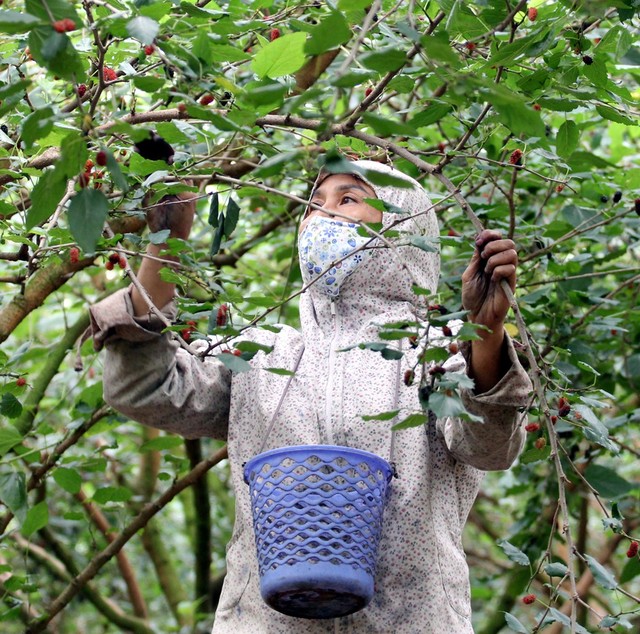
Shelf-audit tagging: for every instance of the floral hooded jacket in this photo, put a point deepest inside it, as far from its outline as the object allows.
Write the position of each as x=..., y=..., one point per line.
x=422, y=581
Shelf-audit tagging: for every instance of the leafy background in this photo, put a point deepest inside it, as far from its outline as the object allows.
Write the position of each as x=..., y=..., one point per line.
x=524, y=113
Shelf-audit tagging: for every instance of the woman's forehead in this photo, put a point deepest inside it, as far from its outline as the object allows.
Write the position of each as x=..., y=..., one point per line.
x=328, y=180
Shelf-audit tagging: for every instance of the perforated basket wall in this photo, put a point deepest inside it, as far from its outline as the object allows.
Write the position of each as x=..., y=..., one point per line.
x=317, y=504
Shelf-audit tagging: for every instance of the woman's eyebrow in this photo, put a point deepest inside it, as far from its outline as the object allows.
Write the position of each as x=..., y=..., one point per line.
x=342, y=188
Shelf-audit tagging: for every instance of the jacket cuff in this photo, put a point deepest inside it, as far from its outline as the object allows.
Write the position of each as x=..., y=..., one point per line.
x=512, y=390
x=113, y=319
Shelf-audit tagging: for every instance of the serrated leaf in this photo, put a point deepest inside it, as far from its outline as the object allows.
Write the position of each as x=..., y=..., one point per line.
x=283, y=56
x=45, y=197
x=391, y=354
x=37, y=125
x=66, y=63
x=607, y=482
x=330, y=33
x=567, y=138
x=214, y=210
x=161, y=443
x=13, y=493
x=231, y=217
x=149, y=84
x=73, y=155
x=112, y=494
x=382, y=415
x=430, y=245
x=431, y=113
x=535, y=455
x=631, y=570
x=601, y=575
x=280, y=371
x=556, y=569
x=234, y=363
x=9, y=436
x=37, y=517
x=513, y=553
x=217, y=237
x=87, y=213
x=10, y=407
x=116, y=173
x=143, y=29
x=514, y=624
x=68, y=479
x=384, y=61
x=555, y=616
x=444, y=406
x=611, y=114
x=413, y=420
x=15, y=22
x=201, y=47
x=384, y=126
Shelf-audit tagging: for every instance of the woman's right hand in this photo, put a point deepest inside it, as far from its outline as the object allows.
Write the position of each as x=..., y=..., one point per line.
x=174, y=212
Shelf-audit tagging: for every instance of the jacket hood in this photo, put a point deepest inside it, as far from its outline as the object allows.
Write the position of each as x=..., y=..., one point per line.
x=381, y=289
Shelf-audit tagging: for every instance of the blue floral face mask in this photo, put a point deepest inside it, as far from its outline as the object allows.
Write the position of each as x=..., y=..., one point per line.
x=326, y=247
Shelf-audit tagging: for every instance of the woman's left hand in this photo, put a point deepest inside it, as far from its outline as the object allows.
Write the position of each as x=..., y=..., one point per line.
x=494, y=259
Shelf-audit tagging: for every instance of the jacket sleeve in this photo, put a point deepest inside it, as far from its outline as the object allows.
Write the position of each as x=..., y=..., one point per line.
x=149, y=378
x=494, y=444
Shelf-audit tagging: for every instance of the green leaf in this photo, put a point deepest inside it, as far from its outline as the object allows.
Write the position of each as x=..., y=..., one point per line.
x=556, y=569
x=214, y=210
x=45, y=197
x=9, y=436
x=10, y=406
x=438, y=47
x=535, y=455
x=37, y=517
x=45, y=9
x=37, y=125
x=66, y=63
x=382, y=415
x=161, y=443
x=631, y=570
x=413, y=420
x=384, y=61
x=108, y=494
x=431, y=113
x=601, y=575
x=513, y=553
x=330, y=33
x=143, y=29
x=555, y=616
x=231, y=217
x=149, y=84
x=15, y=22
x=234, y=363
x=428, y=244
x=13, y=493
x=596, y=72
x=609, y=113
x=68, y=479
x=116, y=173
x=387, y=127
x=607, y=482
x=280, y=371
x=73, y=155
x=567, y=138
x=87, y=214
x=514, y=624
x=283, y=56
x=444, y=406
x=201, y=47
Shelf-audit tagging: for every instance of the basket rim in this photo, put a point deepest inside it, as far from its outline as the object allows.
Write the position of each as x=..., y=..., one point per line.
x=293, y=450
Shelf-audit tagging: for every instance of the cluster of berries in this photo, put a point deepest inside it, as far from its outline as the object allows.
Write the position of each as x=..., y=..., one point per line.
x=185, y=333
x=149, y=49
x=62, y=26
x=113, y=259
x=85, y=178
x=108, y=74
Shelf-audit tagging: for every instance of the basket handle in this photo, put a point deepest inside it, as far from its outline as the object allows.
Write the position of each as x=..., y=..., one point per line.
x=284, y=392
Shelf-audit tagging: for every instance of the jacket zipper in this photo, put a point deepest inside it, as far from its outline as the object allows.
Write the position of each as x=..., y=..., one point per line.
x=328, y=410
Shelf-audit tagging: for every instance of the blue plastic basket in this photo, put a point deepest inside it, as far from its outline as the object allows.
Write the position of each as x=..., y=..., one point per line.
x=317, y=517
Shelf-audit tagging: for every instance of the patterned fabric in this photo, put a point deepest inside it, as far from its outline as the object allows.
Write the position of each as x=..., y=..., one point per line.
x=422, y=584
x=330, y=250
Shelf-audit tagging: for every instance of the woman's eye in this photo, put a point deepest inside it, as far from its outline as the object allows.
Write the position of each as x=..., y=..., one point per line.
x=348, y=200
